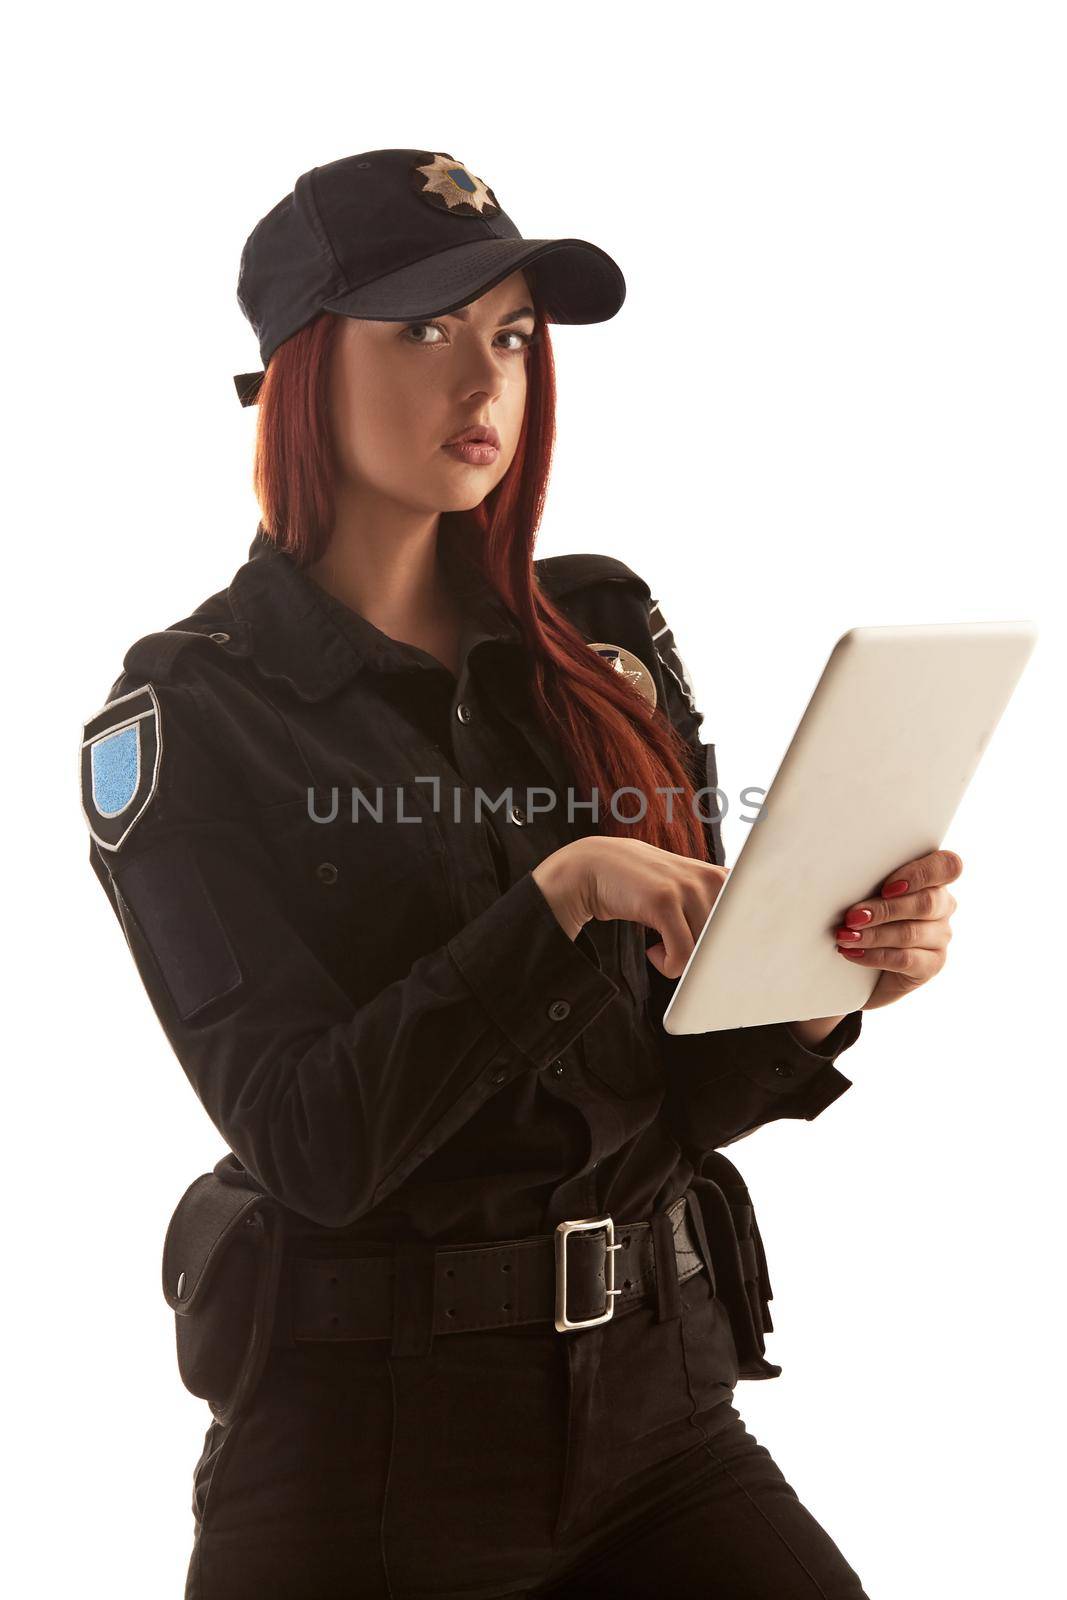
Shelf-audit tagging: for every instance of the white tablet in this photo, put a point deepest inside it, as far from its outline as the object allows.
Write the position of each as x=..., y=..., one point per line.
x=871, y=779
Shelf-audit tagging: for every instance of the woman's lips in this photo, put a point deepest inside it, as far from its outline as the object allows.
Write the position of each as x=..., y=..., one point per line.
x=474, y=453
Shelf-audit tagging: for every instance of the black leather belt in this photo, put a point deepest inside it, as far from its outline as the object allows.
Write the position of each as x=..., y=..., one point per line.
x=585, y=1273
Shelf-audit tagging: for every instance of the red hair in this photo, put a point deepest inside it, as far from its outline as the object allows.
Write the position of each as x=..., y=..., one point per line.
x=609, y=740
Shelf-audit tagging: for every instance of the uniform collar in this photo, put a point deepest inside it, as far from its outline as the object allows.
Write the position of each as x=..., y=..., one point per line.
x=294, y=630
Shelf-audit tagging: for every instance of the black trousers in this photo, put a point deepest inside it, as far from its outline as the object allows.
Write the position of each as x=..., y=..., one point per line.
x=609, y=1461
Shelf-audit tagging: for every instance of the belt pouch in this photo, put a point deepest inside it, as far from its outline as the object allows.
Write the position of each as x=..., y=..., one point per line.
x=221, y=1263
x=740, y=1265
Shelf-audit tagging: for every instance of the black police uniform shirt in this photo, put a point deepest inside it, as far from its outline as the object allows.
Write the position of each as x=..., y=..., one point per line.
x=384, y=1019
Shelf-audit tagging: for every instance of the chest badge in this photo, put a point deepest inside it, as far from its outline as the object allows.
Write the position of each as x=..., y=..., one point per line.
x=631, y=667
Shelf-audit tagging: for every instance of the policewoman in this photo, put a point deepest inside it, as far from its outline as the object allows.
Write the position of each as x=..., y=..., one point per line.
x=410, y=834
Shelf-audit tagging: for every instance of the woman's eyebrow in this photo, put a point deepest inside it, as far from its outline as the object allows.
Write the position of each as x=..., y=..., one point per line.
x=463, y=314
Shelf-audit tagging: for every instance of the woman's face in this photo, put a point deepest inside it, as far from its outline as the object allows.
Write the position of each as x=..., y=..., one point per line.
x=399, y=390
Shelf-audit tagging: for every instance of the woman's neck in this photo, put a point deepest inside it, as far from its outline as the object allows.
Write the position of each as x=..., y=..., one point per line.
x=394, y=578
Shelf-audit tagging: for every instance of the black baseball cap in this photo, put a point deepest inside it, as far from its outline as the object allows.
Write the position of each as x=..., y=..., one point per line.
x=394, y=235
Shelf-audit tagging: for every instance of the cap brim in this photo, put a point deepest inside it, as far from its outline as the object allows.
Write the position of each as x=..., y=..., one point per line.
x=577, y=280
x=577, y=283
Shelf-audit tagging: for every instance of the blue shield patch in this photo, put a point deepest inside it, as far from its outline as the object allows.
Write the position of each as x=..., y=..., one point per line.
x=120, y=755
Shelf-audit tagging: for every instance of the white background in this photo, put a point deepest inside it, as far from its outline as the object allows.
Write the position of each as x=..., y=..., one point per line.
x=834, y=395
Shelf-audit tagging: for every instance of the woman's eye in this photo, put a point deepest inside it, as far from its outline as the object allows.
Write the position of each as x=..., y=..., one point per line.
x=432, y=326
x=525, y=339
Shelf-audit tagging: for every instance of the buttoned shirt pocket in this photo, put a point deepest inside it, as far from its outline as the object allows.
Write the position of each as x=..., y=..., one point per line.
x=372, y=894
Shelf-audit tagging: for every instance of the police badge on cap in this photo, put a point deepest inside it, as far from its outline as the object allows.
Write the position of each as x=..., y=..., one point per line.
x=449, y=185
x=631, y=667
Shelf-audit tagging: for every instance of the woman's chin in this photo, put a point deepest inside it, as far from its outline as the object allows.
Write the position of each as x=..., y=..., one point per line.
x=464, y=497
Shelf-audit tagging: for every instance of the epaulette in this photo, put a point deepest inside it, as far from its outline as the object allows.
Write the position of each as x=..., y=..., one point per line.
x=122, y=742
x=155, y=655
x=624, y=621
x=567, y=573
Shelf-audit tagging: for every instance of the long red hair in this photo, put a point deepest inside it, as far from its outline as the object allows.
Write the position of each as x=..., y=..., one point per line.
x=609, y=740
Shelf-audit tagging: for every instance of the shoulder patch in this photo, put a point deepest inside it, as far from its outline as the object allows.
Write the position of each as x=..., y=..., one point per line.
x=121, y=749
x=567, y=573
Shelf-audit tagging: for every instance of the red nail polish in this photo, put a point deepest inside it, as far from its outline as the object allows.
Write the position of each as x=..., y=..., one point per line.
x=896, y=887
x=843, y=950
x=857, y=919
x=851, y=934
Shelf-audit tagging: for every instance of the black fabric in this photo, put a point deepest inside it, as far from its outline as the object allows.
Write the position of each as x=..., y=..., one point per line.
x=222, y=1261
x=396, y=235
x=165, y=889
x=610, y=1464
x=248, y=385
x=384, y=1020
x=402, y=1051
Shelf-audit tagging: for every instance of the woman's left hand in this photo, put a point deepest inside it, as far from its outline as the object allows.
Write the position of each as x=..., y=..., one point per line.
x=905, y=932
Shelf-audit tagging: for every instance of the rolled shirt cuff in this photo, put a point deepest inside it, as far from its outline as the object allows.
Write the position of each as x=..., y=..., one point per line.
x=772, y=1057
x=540, y=988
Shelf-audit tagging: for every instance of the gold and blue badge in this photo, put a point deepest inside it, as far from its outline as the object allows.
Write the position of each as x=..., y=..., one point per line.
x=631, y=667
x=450, y=186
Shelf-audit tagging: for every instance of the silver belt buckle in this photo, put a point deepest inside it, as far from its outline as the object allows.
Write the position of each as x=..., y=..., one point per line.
x=563, y=1232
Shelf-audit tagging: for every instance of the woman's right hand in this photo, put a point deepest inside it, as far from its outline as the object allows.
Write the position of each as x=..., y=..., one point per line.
x=605, y=878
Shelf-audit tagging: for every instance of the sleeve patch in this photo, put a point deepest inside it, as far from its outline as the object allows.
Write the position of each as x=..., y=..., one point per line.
x=121, y=749
x=165, y=890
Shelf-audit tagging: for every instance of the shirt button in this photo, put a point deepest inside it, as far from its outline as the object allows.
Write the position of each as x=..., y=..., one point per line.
x=326, y=872
x=498, y=1077
x=783, y=1069
x=557, y=1068
x=464, y=713
x=517, y=814
x=559, y=1009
